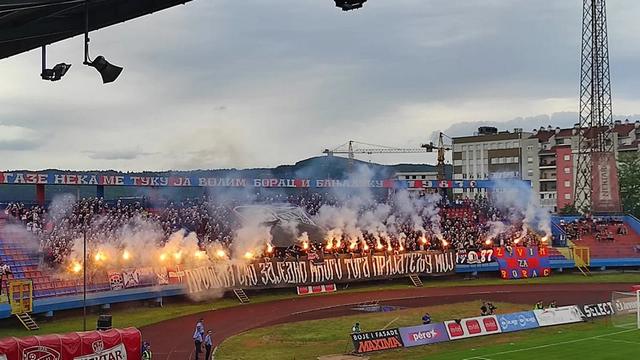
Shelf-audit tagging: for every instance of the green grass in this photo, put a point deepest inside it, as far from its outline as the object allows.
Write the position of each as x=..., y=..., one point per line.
x=310, y=339
x=141, y=316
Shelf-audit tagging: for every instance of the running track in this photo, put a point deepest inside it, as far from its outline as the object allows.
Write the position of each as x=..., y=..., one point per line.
x=171, y=339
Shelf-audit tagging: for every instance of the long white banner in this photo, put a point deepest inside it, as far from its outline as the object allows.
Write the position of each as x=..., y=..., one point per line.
x=556, y=316
x=277, y=273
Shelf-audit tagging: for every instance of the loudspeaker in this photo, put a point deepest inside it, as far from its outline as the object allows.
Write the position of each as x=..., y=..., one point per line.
x=104, y=322
x=108, y=71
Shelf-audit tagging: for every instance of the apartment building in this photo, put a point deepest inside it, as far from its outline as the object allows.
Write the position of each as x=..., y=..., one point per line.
x=487, y=154
x=545, y=156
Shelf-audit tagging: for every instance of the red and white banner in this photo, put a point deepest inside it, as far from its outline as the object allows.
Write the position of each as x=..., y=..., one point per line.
x=605, y=196
x=116, y=344
x=316, y=289
x=471, y=327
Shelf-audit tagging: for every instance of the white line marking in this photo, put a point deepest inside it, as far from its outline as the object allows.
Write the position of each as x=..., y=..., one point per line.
x=550, y=345
x=621, y=341
x=406, y=298
x=391, y=322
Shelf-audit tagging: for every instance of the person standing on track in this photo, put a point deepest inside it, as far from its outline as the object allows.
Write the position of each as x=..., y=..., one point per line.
x=146, y=351
x=208, y=343
x=198, y=337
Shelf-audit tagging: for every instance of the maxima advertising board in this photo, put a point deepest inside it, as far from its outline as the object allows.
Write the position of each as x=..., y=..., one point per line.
x=376, y=340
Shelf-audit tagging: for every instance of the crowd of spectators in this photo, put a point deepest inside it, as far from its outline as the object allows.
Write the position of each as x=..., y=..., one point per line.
x=462, y=225
x=602, y=229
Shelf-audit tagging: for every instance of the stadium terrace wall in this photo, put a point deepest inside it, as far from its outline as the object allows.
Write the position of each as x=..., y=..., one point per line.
x=60, y=303
x=101, y=179
x=342, y=269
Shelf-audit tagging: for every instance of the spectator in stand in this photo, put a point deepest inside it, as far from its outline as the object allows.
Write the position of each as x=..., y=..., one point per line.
x=553, y=305
x=5, y=271
x=462, y=225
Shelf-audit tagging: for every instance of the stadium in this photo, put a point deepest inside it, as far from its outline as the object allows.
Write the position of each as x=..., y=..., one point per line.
x=491, y=253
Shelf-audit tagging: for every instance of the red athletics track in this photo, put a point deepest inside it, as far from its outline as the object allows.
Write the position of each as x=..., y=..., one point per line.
x=171, y=339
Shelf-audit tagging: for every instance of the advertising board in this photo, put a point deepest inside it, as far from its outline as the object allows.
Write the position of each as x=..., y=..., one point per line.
x=517, y=321
x=376, y=340
x=590, y=311
x=556, y=316
x=424, y=334
x=471, y=327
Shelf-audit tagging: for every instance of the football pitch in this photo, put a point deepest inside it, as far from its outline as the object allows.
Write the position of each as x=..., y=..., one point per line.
x=607, y=343
x=592, y=340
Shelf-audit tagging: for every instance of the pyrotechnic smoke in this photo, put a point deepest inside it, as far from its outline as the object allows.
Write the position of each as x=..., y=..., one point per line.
x=495, y=228
x=21, y=235
x=303, y=239
x=520, y=201
x=61, y=206
x=250, y=241
x=360, y=212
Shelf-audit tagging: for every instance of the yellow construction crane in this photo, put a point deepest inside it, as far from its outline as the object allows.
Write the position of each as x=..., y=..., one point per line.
x=352, y=147
x=441, y=148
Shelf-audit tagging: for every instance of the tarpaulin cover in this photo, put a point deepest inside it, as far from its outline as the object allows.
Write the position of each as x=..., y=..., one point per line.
x=115, y=344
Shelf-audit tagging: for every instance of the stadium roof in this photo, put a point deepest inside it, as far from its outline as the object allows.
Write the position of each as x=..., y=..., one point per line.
x=29, y=24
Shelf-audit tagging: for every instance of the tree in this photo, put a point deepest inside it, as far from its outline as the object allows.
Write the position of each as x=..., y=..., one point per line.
x=629, y=178
x=569, y=209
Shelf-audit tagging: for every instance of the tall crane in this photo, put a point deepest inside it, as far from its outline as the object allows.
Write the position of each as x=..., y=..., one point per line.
x=440, y=148
x=352, y=147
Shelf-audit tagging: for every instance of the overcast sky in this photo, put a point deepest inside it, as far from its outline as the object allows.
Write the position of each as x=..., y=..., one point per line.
x=227, y=83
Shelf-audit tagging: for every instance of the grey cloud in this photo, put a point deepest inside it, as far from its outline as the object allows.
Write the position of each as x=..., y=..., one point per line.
x=19, y=145
x=119, y=154
x=273, y=81
x=19, y=138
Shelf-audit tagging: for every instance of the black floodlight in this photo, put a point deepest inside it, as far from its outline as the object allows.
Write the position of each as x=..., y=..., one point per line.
x=54, y=74
x=347, y=5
